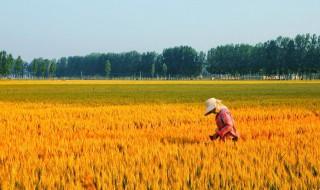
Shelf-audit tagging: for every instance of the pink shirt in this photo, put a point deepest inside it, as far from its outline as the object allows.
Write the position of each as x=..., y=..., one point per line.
x=225, y=124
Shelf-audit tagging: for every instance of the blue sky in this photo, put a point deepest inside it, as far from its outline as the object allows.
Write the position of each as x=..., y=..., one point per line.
x=56, y=28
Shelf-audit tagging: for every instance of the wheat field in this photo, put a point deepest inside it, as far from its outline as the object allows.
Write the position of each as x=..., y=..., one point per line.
x=153, y=135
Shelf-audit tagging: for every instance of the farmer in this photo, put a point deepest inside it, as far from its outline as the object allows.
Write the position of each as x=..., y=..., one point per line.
x=225, y=124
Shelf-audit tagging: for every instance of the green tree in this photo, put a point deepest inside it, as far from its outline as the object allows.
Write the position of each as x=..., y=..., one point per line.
x=181, y=60
x=3, y=60
x=34, y=67
x=153, y=69
x=18, y=67
x=107, y=68
x=44, y=68
x=164, y=69
x=8, y=65
x=52, y=68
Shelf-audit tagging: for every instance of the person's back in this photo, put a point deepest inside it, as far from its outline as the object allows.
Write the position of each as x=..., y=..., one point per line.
x=225, y=123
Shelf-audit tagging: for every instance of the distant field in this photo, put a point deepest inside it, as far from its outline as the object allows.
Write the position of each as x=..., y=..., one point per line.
x=235, y=93
x=153, y=135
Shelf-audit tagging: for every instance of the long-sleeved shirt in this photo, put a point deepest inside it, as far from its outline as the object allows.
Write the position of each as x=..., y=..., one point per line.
x=225, y=124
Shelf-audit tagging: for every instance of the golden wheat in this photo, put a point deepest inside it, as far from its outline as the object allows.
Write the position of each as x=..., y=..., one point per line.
x=165, y=146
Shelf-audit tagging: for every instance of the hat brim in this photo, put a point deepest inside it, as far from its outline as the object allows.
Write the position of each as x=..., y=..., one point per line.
x=209, y=110
x=208, y=113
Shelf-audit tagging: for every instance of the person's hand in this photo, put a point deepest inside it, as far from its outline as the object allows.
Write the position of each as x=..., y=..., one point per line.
x=213, y=137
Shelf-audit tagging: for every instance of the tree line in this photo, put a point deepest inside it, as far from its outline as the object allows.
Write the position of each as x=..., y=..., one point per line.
x=282, y=55
x=17, y=68
x=181, y=60
x=11, y=66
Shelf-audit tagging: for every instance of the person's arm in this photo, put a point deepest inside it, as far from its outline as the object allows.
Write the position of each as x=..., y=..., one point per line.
x=214, y=136
x=228, y=125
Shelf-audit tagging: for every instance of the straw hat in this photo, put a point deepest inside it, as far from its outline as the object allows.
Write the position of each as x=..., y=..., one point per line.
x=211, y=103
